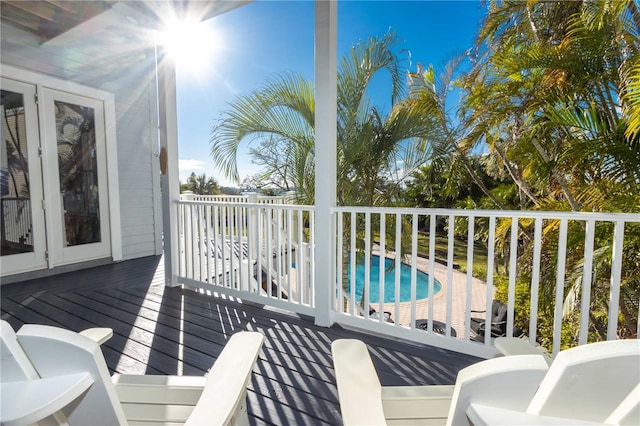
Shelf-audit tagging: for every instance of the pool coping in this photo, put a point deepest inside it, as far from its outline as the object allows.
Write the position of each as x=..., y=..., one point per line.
x=451, y=298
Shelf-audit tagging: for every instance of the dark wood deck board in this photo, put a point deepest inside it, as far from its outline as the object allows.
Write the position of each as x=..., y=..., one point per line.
x=159, y=330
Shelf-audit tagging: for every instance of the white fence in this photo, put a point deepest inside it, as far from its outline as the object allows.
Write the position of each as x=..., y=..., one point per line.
x=561, y=262
x=553, y=268
x=259, y=252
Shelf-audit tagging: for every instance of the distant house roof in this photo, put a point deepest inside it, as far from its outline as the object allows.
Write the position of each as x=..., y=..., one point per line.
x=49, y=19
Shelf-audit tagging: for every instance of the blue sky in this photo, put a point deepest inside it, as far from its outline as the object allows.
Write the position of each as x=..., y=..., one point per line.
x=261, y=39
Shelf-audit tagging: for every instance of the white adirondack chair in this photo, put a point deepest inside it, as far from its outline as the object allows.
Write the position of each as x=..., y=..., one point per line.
x=51, y=375
x=597, y=383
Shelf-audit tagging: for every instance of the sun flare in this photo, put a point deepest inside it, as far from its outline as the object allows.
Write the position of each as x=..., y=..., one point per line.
x=192, y=45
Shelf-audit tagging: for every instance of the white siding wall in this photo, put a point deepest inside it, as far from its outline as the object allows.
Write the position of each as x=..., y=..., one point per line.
x=111, y=53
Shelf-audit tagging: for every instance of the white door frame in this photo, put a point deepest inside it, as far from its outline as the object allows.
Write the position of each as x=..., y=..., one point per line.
x=59, y=252
x=44, y=82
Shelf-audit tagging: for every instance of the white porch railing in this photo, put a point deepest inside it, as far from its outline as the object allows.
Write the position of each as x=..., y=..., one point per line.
x=258, y=252
x=264, y=253
x=508, y=235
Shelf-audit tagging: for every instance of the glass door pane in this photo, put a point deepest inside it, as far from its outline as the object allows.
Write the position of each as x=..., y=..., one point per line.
x=78, y=172
x=77, y=195
x=17, y=225
x=22, y=237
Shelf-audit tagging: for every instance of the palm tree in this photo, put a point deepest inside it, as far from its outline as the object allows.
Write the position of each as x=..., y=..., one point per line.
x=201, y=185
x=375, y=152
x=554, y=95
x=370, y=145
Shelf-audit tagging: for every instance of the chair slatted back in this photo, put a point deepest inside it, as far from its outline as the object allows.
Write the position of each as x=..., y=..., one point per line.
x=14, y=363
x=589, y=382
x=55, y=351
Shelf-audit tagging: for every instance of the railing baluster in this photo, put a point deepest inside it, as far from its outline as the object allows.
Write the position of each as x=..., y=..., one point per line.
x=616, y=274
x=259, y=247
x=513, y=259
x=352, y=266
x=186, y=240
x=414, y=266
x=289, y=258
x=585, y=306
x=559, y=297
x=233, y=239
x=269, y=251
x=381, y=267
x=202, y=264
x=278, y=232
x=302, y=248
x=214, y=242
x=191, y=240
x=223, y=244
x=181, y=243
x=432, y=269
x=470, y=244
x=251, y=231
x=398, y=256
x=535, y=276
x=244, y=274
x=338, y=257
x=366, y=291
x=312, y=257
x=207, y=242
x=490, y=259
x=450, y=241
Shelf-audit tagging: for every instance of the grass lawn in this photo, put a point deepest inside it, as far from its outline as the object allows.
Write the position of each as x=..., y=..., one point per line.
x=459, y=253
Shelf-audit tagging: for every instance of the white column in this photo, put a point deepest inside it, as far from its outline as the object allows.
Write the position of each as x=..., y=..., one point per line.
x=326, y=25
x=168, y=123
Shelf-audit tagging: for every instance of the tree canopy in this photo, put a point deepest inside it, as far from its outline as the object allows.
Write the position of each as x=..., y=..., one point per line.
x=548, y=118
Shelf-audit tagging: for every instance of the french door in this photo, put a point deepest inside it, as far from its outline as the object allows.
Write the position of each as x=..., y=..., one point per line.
x=63, y=180
x=22, y=228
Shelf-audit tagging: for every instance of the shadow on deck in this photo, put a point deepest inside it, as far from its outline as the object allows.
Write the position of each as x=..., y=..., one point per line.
x=159, y=330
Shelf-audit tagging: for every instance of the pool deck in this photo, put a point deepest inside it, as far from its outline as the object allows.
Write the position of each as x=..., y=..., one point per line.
x=453, y=295
x=457, y=290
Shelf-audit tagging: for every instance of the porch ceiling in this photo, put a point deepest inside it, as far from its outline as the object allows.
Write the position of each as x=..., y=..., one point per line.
x=48, y=19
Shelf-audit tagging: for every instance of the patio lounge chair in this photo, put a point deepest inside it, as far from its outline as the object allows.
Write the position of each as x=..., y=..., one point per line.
x=386, y=315
x=591, y=384
x=61, y=377
x=498, y=326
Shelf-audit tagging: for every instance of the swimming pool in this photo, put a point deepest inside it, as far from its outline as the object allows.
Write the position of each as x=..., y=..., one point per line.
x=422, y=281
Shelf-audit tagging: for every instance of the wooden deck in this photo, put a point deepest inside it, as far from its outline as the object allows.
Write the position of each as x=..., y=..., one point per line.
x=160, y=330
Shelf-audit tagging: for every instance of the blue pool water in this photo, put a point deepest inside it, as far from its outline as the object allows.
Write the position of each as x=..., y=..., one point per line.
x=422, y=281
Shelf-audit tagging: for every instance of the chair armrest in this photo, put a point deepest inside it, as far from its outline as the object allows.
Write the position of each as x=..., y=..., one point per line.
x=98, y=334
x=359, y=389
x=416, y=403
x=223, y=399
x=517, y=346
x=29, y=401
x=486, y=415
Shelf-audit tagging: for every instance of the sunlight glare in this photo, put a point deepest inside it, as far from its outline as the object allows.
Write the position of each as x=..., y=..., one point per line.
x=192, y=45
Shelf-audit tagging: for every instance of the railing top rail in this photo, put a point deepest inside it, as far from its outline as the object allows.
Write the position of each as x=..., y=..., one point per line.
x=244, y=198
x=250, y=205
x=528, y=214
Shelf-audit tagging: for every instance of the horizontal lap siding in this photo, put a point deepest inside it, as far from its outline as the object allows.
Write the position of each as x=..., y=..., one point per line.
x=112, y=59
x=138, y=171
